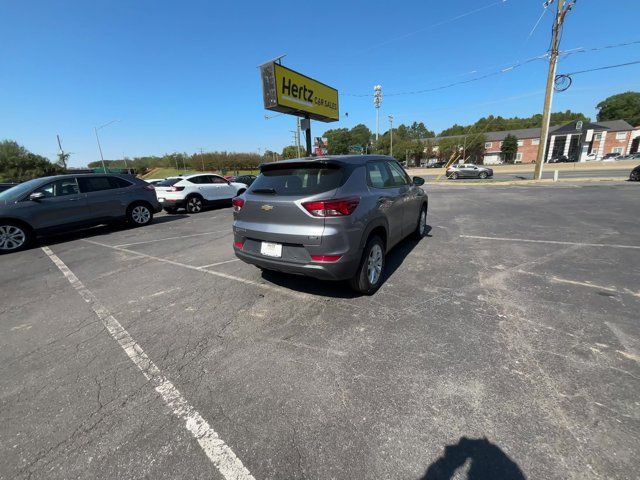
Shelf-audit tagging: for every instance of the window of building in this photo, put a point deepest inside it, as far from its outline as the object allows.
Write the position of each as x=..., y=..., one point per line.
x=488, y=145
x=617, y=150
x=597, y=137
x=535, y=141
x=621, y=136
x=518, y=157
x=521, y=143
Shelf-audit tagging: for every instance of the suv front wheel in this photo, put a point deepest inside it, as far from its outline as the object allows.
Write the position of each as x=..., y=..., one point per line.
x=368, y=278
x=14, y=237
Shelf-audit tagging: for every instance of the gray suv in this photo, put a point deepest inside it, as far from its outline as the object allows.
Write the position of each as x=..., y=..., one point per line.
x=331, y=217
x=64, y=202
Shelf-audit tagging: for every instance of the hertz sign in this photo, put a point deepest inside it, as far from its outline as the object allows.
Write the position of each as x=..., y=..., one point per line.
x=287, y=91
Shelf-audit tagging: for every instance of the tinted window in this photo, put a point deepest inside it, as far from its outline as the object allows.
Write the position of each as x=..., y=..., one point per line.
x=216, y=179
x=398, y=175
x=378, y=176
x=169, y=182
x=59, y=188
x=200, y=179
x=94, y=184
x=307, y=180
x=117, y=182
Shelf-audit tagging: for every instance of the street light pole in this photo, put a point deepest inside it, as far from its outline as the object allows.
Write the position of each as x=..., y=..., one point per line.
x=391, y=133
x=95, y=130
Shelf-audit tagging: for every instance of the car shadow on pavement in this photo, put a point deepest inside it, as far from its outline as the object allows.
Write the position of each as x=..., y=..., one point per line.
x=63, y=237
x=486, y=460
x=330, y=289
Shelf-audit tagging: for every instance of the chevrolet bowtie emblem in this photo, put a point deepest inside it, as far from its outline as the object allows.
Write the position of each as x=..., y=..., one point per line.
x=266, y=208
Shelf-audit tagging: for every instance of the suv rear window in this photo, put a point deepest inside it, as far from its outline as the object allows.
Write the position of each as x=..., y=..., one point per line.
x=169, y=182
x=298, y=180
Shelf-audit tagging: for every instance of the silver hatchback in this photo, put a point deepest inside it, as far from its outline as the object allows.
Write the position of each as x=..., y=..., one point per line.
x=331, y=217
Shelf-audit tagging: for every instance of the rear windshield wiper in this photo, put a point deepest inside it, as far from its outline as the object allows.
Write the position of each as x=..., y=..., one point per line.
x=271, y=191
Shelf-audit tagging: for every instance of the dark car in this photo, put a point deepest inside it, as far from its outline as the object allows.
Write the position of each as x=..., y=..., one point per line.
x=634, y=176
x=6, y=186
x=468, y=170
x=611, y=156
x=246, y=179
x=331, y=217
x=66, y=202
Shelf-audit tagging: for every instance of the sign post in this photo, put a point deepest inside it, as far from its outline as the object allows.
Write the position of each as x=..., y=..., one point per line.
x=287, y=91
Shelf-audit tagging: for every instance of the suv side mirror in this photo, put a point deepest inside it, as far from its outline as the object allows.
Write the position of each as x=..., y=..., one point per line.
x=36, y=196
x=418, y=181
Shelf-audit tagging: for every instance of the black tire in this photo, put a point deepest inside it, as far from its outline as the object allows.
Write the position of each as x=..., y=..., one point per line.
x=194, y=204
x=455, y=175
x=361, y=282
x=421, y=229
x=483, y=175
x=139, y=214
x=14, y=236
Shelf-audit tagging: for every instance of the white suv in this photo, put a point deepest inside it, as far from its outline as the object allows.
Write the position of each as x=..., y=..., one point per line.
x=194, y=192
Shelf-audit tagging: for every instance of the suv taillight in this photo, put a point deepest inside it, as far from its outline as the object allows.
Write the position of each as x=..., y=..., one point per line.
x=332, y=208
x=176, y=189
x=237, y=203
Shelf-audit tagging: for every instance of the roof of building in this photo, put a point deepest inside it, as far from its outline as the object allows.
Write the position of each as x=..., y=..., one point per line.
x=524, y=133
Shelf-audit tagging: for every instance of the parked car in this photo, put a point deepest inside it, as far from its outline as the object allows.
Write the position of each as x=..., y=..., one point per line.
x=196, y=191
x=246, y=179
x=67, y=202
x=631, y=156
x=154, y=181
x=331, y=218
x=468, y=170
x=435, y=163
x=563, y=159
x=6, y=186
x=611, y=157
x=634, y=176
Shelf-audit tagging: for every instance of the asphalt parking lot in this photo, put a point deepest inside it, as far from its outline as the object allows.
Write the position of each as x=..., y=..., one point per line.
x=505, y=344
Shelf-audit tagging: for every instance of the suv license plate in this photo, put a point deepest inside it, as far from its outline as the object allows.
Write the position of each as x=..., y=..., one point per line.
x=271, y=249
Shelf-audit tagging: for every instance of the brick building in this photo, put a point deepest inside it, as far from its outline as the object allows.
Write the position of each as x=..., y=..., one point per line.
x=578, y=141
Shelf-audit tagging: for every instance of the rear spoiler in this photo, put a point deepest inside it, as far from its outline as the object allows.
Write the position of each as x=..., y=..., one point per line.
x=267, y=167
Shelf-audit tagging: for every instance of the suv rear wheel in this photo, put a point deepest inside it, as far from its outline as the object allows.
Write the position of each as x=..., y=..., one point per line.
x=368, y=278
x=14, y=237
x=194, y=204
x=139, y=214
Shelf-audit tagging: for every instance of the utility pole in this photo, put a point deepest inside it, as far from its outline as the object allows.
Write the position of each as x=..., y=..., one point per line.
x=377, y=100
x=95, y=130
x=548, y=97
x=202, y=158
x=391, y=133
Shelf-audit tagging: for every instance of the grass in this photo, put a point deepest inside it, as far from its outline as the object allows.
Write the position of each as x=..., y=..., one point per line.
x=172, y=172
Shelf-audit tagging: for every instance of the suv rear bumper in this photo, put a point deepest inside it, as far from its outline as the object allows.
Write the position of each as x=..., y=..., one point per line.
x=341, y=270
x=171, y=203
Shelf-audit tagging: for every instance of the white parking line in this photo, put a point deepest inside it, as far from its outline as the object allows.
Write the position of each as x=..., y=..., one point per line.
x=170, y=238
x=220, y=263
x=265, y=286
x=213, y=446
x=553, y=242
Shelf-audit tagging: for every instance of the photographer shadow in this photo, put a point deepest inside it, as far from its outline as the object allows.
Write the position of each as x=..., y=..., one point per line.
x=487, y=462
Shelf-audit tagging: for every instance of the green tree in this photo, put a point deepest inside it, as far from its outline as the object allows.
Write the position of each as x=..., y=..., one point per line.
x=509, y=148
x=19, y=164
x=625, y=106
x=339, y=141
x=290, y=151
x=360, y=135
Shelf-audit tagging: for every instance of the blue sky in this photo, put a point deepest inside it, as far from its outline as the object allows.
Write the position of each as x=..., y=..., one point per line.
x=182, y=75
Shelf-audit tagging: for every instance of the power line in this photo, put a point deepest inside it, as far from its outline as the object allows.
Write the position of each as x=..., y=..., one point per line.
x=602, y=68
